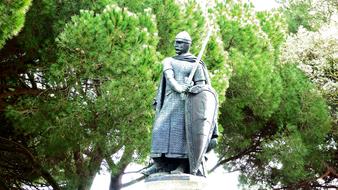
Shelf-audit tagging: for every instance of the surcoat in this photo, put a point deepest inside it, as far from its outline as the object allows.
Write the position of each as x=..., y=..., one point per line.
x=168, y=136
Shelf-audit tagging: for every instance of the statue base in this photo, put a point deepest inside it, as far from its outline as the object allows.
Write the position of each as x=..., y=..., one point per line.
x=165, y=181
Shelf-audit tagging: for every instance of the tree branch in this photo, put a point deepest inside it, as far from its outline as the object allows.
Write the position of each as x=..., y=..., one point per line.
x=239, y=155
x=133, y=181
x=21, y=91
x=329, y=170
x=36, y=165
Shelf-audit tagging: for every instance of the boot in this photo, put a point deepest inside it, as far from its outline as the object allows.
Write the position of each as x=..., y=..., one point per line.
x=179, y=170
x=154, y=168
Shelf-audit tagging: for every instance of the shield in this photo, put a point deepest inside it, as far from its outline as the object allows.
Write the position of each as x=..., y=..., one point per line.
x=200, y=117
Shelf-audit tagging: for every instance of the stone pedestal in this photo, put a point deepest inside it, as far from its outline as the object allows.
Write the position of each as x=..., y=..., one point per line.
x=175, y=182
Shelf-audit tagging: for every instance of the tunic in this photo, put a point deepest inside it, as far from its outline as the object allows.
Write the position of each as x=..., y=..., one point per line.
x=168, y=135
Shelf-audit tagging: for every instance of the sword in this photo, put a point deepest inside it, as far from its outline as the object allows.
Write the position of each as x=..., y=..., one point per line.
x=199, y=57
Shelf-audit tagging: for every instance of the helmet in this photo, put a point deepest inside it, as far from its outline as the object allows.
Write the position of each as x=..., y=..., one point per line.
x=183, y=36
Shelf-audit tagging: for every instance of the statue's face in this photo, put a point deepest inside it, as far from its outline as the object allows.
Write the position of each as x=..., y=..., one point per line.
x=181, y=47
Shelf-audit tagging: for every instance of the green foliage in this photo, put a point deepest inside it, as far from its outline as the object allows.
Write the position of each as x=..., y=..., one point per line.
x=294, y=153
x=314, y=54
x=12, y=18
x=216, y=60
x=274, y=25
x=273, y=119
x=46, y=20
x=168, y=15
x=298, y=14
x=76, y=86
x=171, y=19
x=82, y=65
x=105, y=61
x=111, y=51
x=250, y=56
x=255, y=88
x=310, y=14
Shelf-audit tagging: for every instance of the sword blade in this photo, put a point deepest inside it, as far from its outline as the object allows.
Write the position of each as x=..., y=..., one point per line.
x=199, y=57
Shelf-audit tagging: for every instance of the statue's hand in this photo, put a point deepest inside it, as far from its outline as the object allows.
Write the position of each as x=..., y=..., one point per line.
x=189, y=83
x=185, y=88
x=182, y=88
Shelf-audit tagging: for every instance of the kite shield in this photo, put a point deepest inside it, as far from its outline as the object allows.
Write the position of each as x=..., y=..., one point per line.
x=200, y=119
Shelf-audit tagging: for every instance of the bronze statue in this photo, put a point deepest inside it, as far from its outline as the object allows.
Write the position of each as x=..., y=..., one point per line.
x=185, y=122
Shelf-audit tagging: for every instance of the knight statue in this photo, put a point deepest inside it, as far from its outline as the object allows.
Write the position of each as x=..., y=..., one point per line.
x=185, y=126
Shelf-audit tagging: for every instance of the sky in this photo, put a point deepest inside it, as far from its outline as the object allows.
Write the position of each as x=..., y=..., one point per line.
x=261, y=5
x=218, y=179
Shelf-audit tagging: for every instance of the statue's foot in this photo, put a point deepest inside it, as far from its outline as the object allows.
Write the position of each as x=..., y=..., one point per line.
x=178, y=170
x=197, y=173
x=151, y=170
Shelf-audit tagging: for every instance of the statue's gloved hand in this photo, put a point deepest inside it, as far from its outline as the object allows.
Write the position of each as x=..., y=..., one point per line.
x=212, y=144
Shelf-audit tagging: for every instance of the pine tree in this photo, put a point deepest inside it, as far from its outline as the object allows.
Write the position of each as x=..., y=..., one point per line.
x=314, y=54
x=309, y=14
x=77, y=80
x=274, y=121
x=102, y=61
x=24, y=60
x=12, y=18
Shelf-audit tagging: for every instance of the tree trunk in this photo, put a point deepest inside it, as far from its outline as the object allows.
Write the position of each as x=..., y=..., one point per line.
x=86, y=182
x=84, y=186
x=85, y=172
x=116, y=180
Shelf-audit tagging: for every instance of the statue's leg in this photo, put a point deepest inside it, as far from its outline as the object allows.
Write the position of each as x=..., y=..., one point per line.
x=159, y=165
x=180, y=166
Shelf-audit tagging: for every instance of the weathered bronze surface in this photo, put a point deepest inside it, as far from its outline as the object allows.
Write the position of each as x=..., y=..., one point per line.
x=185, y=120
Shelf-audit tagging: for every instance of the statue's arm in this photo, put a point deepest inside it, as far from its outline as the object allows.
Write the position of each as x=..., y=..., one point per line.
x=199, y=77
x=169, y=75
